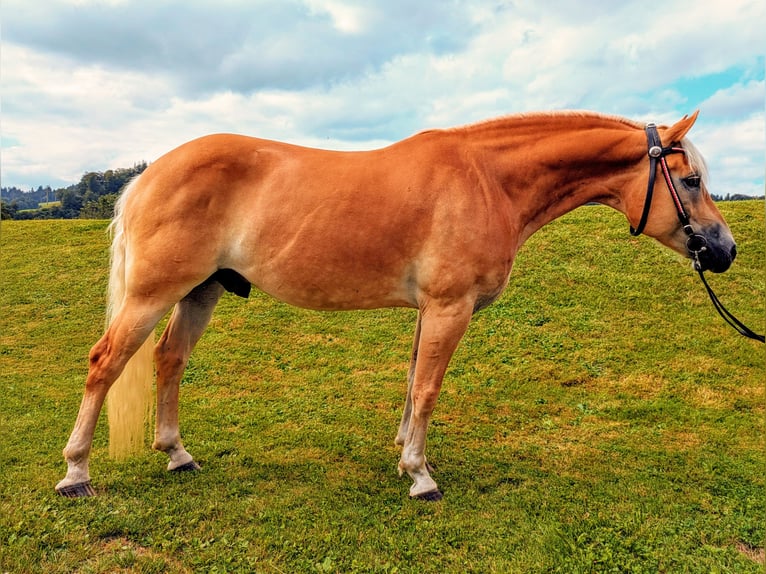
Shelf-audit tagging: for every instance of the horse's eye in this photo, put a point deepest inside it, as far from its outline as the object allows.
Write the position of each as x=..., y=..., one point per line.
x=692, y=181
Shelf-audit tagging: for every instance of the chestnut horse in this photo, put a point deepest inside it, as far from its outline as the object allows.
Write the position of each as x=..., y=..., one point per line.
x=432, y=222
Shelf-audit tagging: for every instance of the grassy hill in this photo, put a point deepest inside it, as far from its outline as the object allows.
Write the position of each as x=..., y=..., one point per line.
x=600, y=417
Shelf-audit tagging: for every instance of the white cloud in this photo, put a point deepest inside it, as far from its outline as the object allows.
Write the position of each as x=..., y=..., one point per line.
x=92, y=85
x=734, y=151
x=729, y=102
x=61, y=117
x=347, y=18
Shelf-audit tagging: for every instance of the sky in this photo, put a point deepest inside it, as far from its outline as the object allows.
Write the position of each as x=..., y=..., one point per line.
x=91, y=85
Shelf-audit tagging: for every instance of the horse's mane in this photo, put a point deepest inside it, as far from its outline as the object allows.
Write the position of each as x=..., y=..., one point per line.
x=531, y=116
x=693, y=155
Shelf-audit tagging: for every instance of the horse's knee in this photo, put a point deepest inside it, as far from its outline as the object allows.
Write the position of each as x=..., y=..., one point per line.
x=424, y=401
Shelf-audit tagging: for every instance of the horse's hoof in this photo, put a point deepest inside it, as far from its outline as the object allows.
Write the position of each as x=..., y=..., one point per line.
x=79, y=490
x=430, y=496
x=191, y=465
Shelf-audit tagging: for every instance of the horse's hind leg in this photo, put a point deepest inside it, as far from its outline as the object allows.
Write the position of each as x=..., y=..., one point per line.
x=189, y=319
x=108, y=357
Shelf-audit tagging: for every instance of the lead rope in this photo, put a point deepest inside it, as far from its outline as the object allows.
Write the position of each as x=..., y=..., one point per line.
x=738, y=325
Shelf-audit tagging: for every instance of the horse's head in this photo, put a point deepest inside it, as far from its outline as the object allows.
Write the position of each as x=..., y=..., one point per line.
x=676, y=208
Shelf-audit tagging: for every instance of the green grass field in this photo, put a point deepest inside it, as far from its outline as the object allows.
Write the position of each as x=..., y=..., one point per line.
x=600, y=417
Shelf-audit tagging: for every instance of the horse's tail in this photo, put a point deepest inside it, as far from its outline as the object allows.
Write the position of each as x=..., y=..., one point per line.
x=129, y=403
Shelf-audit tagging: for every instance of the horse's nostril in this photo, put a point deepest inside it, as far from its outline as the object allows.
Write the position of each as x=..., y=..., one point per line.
x=733, y=252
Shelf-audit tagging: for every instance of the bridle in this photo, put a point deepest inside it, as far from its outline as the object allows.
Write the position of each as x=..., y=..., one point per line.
x=695, y=243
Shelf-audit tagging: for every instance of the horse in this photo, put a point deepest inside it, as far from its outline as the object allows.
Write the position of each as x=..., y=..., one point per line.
x=432, y=222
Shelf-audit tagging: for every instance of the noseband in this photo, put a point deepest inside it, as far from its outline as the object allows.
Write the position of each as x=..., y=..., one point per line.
x=695, y=243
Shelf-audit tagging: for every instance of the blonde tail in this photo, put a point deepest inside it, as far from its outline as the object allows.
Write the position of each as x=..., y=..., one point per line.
x=129, y=402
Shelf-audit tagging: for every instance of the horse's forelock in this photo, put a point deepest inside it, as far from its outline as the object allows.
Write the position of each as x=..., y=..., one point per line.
x=696, y=161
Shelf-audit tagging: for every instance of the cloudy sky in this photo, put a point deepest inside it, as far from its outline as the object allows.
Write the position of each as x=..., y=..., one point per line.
x=89, y=85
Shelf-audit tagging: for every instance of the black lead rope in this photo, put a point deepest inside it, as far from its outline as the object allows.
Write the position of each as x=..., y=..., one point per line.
x=695, y=243
x=738, y=325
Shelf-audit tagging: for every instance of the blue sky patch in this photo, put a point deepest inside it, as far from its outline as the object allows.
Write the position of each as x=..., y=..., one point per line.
x=699, y=89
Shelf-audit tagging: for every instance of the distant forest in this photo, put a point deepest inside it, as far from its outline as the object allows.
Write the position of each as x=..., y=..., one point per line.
x=94, y=196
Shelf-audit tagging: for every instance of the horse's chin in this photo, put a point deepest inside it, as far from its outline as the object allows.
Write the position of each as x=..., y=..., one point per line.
x=716, y=268
x=715, y=259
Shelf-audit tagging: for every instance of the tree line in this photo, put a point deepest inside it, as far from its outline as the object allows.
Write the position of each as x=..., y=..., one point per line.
x=94, y=196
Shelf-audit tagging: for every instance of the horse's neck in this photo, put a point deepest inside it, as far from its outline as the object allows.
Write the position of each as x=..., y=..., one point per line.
x=558, y=163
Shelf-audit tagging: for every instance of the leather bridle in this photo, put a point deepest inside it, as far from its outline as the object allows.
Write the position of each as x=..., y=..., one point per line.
x=695, y=243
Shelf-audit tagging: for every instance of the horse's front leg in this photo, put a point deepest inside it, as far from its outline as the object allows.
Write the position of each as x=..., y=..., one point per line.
x=407, y=412
x=441, y=328
x=189, y=319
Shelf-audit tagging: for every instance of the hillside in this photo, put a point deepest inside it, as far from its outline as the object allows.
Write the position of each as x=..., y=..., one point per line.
x=599, y=417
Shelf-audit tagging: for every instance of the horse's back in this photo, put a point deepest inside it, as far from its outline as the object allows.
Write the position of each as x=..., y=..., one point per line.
x=316, y=228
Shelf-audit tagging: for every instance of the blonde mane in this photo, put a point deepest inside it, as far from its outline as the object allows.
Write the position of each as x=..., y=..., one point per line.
x=693, y=155
x=528, y=116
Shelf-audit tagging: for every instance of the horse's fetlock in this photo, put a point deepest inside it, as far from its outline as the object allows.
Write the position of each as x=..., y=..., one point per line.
x=166, y=445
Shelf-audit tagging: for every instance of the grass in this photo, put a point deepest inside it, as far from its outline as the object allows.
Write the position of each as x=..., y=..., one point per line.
x=600, y=417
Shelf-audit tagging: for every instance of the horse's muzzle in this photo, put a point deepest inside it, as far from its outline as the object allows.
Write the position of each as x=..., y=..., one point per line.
x=712, y=250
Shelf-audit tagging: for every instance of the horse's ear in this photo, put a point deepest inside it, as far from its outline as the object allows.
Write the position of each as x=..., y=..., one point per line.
x=678, y=131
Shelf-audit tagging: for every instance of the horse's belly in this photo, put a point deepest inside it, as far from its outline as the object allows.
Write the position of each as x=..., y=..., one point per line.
x=327, y=291
x=317, y=264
